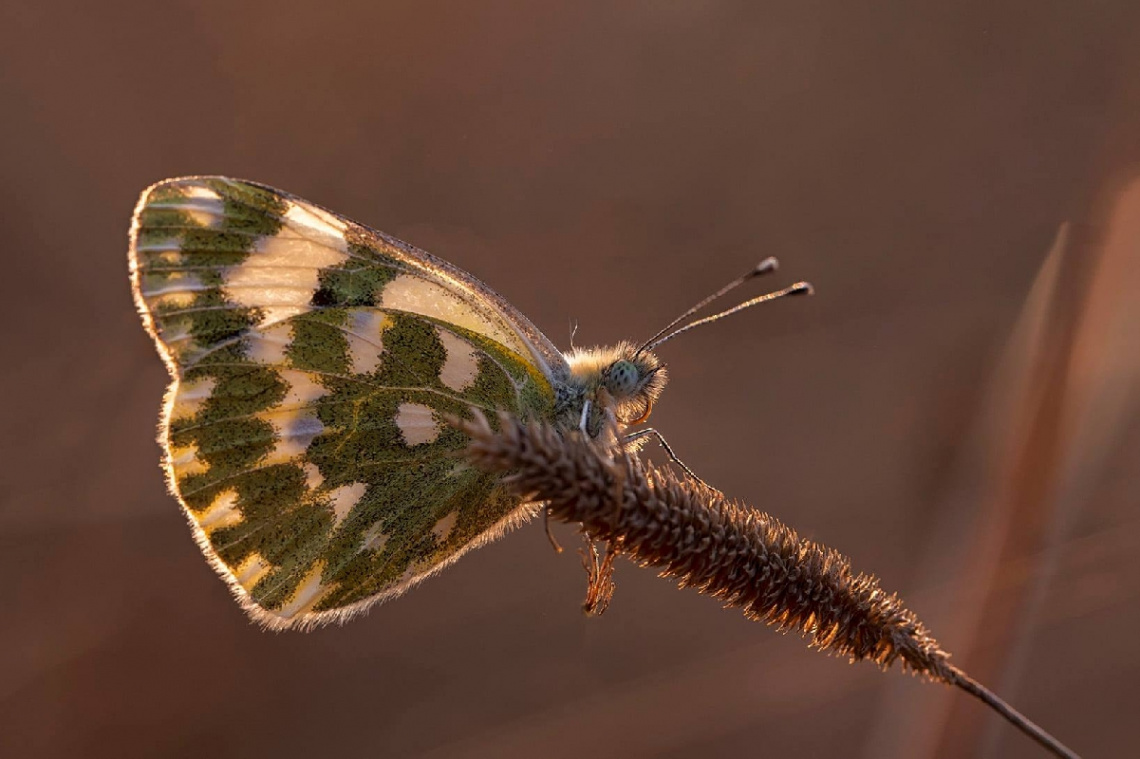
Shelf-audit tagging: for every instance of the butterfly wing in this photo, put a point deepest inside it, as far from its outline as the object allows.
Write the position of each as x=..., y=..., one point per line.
x=313, y=361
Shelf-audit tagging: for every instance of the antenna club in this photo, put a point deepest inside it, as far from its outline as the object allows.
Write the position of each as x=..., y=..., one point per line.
x=801, y=288
x=767, y=266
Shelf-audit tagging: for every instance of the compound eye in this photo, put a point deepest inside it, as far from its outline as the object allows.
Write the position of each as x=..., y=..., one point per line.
x=622, y=378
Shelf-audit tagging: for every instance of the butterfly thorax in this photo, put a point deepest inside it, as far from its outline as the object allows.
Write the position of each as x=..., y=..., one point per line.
x=617, y=384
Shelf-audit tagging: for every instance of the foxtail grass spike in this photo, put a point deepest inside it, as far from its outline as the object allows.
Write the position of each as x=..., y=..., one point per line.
x=703, y=540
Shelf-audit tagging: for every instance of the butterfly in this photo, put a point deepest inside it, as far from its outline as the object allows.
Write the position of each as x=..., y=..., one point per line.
x=314, y=363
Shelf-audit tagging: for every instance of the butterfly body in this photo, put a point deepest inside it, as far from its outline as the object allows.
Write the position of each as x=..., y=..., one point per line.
x=314, y=362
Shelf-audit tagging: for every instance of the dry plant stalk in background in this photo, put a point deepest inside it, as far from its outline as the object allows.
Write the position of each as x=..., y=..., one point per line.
x=743, y=557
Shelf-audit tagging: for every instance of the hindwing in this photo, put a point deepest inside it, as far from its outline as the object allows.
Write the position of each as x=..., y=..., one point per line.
x=313, y=361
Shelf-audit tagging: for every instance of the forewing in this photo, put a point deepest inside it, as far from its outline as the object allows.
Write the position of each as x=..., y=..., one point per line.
x=212, y=257
x=312, y=370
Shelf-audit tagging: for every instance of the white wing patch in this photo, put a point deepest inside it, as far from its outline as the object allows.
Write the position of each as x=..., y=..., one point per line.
x=177, y=289
x=409, y=292
x=417, y=423
x=223, y=512
x=185, y=461
x=295, y=421
x=313, y=477
x=295, y=430
x=308, y=594
x=282, y=272
x=461, y=366
x=443, y=527
x=373, y=539
x=364, y=339
x=190, y=397
x=344, y=498
x=202, y=204
x=250, y=572
x=303, y=389
x=268, y=345
x=318, y=224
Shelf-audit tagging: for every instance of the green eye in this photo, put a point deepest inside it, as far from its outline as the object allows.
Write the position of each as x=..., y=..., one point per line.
x=622, y=378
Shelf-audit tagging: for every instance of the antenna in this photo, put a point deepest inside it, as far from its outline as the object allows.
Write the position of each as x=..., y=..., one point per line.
x=799, y=288
x=767, y=266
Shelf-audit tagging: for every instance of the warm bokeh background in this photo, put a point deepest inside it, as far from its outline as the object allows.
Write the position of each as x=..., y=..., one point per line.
x=956, y=409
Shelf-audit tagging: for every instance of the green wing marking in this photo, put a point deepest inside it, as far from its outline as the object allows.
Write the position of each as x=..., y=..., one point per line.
x=312, y=367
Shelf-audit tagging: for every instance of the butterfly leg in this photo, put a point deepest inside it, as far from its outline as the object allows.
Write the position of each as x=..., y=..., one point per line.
x=546, y=526
x=668, y=450
x=599, y=576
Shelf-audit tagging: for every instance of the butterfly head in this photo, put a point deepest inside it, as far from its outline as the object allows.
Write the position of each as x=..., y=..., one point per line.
x=634, y=380
x=620, y=378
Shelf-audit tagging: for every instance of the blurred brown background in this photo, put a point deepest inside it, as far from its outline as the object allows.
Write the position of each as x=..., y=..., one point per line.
x=956, y=409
